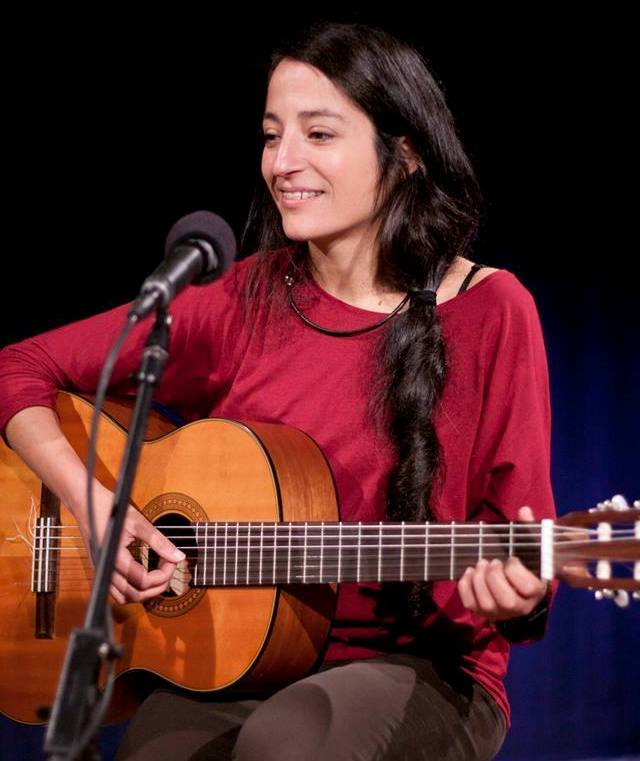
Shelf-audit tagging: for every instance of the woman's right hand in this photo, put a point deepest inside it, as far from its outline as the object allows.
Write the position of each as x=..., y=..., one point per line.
x=131, y=581
x=35, y=434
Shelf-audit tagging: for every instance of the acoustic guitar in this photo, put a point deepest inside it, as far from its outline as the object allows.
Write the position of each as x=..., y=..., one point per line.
x=253, y=507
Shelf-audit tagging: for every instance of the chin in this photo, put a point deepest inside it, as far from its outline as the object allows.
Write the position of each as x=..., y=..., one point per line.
x=300, y=233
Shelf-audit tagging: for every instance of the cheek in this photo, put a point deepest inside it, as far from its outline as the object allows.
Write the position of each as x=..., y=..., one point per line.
x=358, y=173
x=267, y=174
x=265, y=167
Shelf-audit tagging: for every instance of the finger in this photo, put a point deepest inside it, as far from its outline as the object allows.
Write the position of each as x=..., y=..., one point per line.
x=137, y=575
x=159, y=542
x=117, y=594
x=129, y=593
x=465, y=590
x=486, y=603
x=525, y=514
x=525, y=583
x=508, y=602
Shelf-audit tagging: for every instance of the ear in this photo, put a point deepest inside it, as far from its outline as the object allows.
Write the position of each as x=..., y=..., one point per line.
x=409, y=156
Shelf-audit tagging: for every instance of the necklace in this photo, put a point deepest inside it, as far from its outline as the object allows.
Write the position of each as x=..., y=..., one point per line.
x=340, y=333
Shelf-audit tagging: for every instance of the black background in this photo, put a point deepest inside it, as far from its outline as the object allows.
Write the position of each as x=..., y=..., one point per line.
x=116, y=126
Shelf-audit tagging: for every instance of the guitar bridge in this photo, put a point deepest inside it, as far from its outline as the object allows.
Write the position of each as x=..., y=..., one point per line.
x=44, y=570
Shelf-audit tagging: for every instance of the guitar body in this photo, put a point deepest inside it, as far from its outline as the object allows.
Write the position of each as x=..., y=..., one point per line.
x=204, y=639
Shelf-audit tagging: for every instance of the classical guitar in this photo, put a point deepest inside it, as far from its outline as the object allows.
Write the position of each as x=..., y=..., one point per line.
x=254, y=508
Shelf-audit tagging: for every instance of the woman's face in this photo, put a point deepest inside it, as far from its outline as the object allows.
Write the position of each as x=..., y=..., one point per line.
x=317, y=140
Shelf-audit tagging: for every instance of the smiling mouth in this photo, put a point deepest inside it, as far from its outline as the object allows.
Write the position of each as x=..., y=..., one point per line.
x=302, y=195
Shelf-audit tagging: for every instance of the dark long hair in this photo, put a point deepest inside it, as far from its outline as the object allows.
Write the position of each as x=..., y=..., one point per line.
x=427, y=218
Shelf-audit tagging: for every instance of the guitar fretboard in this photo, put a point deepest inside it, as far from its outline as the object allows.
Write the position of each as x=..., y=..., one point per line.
x=234, y=554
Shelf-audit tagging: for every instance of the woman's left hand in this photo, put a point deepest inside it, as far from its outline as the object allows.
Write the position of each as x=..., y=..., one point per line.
x=499, y=591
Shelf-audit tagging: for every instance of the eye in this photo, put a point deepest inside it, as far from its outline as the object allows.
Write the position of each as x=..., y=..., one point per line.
x=322, y=137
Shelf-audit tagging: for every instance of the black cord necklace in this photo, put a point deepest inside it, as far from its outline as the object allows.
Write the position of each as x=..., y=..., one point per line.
x=340, y=333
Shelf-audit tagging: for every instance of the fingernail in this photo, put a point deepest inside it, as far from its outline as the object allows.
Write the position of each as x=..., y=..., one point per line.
x=179, y=555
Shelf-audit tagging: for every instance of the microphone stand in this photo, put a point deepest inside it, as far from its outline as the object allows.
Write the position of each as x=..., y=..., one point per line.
x=78, y=698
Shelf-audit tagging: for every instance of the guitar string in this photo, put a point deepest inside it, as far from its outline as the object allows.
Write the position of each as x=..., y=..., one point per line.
x=457, y=531
x=254, y=536
x=282, y=539
x=371, y=526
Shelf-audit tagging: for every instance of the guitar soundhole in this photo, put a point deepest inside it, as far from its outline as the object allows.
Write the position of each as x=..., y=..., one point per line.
x=174, y=514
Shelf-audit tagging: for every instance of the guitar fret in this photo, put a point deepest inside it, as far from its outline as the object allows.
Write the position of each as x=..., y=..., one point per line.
x=224, y=567
x=426, y=550
x=201, y=550
x=402, y=551
x=304, y=556
x=289, y=557
x=510, y=538
x=215, y=551
x=275, y=537
x=480, y=540
x=235, y=566
x=261, y=544
x=321, y=550
x=380, y=551
x=453, y=534
x=358, y=551
x=248, y=549
x=339, y=551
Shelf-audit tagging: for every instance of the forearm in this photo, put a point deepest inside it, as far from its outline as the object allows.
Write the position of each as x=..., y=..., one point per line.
x=35, y=435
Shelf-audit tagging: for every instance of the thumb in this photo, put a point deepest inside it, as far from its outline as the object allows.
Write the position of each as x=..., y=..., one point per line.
x=525, y=514
x=161, y=545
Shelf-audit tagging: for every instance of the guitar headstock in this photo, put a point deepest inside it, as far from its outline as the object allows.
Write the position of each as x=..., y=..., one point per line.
x=599, y=549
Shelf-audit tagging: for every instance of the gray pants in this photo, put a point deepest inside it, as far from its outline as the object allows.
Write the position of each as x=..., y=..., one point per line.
x=388, y=708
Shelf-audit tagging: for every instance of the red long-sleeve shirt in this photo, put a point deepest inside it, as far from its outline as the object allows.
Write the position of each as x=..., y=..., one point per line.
x=493, y=421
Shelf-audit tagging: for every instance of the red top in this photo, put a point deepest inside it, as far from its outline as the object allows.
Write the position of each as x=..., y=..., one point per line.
x=493, y=421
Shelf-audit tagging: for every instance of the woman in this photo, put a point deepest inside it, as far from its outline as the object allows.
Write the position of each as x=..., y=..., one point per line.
x=422, y=377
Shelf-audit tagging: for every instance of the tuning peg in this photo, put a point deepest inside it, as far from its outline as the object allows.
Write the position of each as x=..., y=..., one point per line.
x=618, y=502
x=636, y=595
x=619, y=596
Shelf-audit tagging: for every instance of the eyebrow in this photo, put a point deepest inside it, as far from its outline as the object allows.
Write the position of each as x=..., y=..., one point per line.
x=306, y=115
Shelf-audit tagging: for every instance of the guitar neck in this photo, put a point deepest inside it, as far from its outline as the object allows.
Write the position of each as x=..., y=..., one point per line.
x=228, y=554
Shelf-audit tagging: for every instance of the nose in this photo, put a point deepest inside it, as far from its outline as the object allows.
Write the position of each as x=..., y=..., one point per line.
x=288, y=155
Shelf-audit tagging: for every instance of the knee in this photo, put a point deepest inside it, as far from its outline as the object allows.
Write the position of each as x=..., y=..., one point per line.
x=291, y=725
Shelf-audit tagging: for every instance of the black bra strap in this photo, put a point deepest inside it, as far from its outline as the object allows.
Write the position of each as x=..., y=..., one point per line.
x=470, y=274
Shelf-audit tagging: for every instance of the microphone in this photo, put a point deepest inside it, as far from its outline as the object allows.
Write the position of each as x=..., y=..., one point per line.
x=198, y=249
